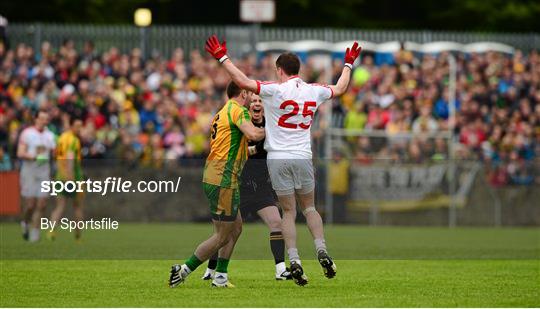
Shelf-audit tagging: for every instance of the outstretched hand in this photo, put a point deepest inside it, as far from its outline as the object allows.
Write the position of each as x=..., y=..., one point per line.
x=351, y=54
x=216, y=49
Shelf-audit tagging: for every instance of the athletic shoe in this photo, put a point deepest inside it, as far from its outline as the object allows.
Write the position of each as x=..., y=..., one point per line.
x=209, y=274
x=329, y=267
x=178, y=275
x=297, y=273
x=286, y=275
x=221, y=281
x=282, y=272
x=24, y=228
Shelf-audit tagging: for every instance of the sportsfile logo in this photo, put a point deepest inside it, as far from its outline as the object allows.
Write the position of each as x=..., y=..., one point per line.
x=109, y=185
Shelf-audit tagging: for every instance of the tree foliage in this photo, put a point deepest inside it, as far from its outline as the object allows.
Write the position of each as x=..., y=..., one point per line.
x=477, y=15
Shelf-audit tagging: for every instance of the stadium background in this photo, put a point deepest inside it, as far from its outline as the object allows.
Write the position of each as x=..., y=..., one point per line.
x=147, y=96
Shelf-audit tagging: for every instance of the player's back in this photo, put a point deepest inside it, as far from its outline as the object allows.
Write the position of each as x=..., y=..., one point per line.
x=68, y=147
x=290, y=108
x=228, y=146
x=68, y=152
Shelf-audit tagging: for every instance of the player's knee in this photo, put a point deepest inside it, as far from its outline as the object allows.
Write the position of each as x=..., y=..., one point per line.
x=222, y=240
x=309, y=210
x=289, y=215
x=289, y=210
x=219, y=234
x=274, y=224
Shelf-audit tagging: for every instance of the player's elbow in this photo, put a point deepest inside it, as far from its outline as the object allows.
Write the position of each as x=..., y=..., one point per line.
x=248, y=84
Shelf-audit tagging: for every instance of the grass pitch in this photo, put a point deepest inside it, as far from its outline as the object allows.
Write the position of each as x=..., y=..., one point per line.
x=397, y=267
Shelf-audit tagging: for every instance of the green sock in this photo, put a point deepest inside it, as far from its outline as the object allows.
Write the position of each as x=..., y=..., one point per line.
x=193, y=262
x=222, y=265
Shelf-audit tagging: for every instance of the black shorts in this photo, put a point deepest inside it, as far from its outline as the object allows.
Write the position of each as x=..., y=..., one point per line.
x=253, y=199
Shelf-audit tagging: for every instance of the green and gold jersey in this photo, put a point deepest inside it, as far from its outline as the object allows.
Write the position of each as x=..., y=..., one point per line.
x=228, y=146
x=68, y=157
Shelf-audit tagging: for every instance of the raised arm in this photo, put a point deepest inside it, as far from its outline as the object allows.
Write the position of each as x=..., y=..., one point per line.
x=219, y=51
x=343, y=82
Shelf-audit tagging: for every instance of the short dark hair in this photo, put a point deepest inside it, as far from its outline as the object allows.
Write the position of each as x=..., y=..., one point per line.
x=233, y=90
x=35, y=113
x=289, y=63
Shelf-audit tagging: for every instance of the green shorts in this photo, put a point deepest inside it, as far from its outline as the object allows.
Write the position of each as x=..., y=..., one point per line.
x=224, y=202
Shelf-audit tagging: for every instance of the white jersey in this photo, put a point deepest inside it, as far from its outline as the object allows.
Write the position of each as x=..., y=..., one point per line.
x=37, y=143
x=289, y=109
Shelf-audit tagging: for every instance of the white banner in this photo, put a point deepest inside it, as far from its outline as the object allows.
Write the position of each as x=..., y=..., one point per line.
x=402, y=187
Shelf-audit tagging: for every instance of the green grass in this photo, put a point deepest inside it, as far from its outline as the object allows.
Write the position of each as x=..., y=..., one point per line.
x=377, y=267
x=172, y=241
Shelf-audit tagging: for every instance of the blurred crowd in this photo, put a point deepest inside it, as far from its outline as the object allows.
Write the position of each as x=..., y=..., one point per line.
x=497, y=108
x=157, y=111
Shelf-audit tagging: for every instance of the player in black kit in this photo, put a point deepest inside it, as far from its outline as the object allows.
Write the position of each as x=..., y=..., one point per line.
x=257, y=196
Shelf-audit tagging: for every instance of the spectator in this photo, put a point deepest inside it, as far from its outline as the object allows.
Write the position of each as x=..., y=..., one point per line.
x=425, y=123
x=5, y=161
x=339, y=186
x=151, y=109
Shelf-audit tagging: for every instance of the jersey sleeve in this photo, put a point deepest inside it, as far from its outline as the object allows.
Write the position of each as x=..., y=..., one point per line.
x=240, y=115
x=324, y=92
x=266, y=89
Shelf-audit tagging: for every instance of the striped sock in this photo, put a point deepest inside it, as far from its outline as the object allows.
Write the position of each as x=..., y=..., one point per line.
x=277, y=245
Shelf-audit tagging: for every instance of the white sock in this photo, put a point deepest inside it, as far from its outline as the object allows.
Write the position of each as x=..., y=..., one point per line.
x=280, y=268
x=186, y=268
x=293, y=254
x=34, y=234
x=320, y=244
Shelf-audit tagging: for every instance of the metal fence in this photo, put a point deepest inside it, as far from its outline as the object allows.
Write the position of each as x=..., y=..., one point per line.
x=408, y=179
x=165, y=38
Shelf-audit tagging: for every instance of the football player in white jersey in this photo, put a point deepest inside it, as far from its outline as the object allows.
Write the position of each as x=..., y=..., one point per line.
x=290, y=105
x=36, y=144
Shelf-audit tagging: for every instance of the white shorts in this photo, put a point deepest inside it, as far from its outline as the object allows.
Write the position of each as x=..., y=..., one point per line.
x=288, y=175
x=30, y=180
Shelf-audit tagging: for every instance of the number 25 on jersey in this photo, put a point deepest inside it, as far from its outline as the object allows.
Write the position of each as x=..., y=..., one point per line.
x=306, y=112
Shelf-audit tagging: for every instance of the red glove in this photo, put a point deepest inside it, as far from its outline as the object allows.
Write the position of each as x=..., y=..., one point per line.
x=351, y=54
x=217, y=50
